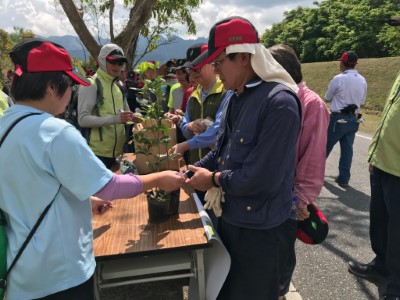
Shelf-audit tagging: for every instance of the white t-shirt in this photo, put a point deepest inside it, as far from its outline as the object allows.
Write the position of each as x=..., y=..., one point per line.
x=40, y=154
x=346, y=88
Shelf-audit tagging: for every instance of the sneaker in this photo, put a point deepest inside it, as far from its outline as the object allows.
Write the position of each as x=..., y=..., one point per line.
x=366, y=271
x=343, y=185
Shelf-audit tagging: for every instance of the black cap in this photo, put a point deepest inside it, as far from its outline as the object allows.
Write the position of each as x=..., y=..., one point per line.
x=180, y=62
x=194, y=52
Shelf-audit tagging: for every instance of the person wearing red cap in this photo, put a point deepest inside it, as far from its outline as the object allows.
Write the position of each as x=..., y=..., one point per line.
x=252, y=164
x=107, y=119
x=384, y=168
x=52, y=172
x=346, y=92
x=311, y=146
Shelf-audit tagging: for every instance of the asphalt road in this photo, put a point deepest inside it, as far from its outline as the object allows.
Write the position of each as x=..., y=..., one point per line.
x=321, y=271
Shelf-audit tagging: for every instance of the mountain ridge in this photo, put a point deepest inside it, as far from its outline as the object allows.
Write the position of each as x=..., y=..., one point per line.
x=175, y=49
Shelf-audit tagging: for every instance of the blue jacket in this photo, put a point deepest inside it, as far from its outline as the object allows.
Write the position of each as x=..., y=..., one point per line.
x=256, y=157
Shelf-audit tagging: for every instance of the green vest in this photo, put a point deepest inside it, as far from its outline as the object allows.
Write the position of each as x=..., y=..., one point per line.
x=384, y=151
x=207, y=108
x=113, y=135
x=3, y=103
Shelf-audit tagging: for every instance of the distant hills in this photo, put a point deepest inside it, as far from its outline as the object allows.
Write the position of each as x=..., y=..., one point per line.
x=176, y=49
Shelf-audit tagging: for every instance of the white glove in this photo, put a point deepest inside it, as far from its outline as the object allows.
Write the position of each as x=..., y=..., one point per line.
x=213, y=198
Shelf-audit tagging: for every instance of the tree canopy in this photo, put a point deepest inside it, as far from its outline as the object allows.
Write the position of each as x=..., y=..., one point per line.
x=334, y=26
x=7, y=42
x=149, y=18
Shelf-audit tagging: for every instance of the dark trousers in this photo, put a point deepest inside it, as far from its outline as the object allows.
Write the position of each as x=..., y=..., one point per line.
x=84, y=291
x=344, y=133
x=287, y=272
x=385, y=226
x=109, y=162
x=258, y=258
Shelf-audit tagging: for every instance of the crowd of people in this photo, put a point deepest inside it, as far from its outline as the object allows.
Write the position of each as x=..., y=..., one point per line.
x=247, y=126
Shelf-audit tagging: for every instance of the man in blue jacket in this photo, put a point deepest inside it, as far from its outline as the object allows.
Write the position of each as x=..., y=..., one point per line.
x=253, y=162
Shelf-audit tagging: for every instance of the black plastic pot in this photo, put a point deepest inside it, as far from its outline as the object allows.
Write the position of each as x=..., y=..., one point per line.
x=174, y=202
x=158, y=210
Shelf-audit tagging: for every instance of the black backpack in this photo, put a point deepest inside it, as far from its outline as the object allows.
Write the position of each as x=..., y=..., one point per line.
x=71, y=112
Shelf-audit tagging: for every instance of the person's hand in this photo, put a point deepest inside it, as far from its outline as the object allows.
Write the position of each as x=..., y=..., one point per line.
x=201, y=180
x=179, y=112
x=168, y=115
x=170, y=181
x=180, y=148
x=126, y=116
x=137, y=118
x=175, y=118
x=197, y=126
x=370, y=169
x=303, y=213
x=100, y=206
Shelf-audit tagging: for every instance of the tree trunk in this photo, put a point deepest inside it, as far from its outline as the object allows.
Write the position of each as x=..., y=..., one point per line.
x=80, y=27
x=139, y=15
x=127, y=39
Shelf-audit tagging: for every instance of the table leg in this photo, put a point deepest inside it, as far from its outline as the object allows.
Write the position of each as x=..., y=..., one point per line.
x=201, y=280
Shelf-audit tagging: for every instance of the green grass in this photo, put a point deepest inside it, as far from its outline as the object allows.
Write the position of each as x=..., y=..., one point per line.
x=379, y=73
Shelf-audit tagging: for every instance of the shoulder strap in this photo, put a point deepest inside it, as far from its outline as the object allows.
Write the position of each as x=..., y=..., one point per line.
x=29, y=237
x=99, y=99
x=15, y=123
x=3, y=282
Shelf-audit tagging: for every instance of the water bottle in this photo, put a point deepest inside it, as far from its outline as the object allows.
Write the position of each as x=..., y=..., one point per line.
x=294, y=213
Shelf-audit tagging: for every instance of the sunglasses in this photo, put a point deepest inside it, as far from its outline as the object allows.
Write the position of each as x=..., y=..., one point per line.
x=116, y=62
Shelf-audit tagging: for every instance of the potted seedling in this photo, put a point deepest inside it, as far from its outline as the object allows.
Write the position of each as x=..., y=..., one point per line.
x=153, y=137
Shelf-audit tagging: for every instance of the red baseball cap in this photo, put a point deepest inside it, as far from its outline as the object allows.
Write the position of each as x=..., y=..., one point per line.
x=38, y=55
x=229, y=31
x=314, y=229
x=349, y=58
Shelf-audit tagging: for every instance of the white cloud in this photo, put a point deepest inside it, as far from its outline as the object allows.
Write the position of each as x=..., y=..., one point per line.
x=44, y=19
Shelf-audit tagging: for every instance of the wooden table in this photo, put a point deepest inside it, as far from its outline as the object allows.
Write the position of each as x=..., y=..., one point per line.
x=128, y=249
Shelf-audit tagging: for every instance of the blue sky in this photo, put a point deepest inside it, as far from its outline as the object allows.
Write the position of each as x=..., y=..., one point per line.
x=44, y=18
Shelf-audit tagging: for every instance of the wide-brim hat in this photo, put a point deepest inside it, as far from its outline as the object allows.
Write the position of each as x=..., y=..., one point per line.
x=39, y=55
x=314, y=229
